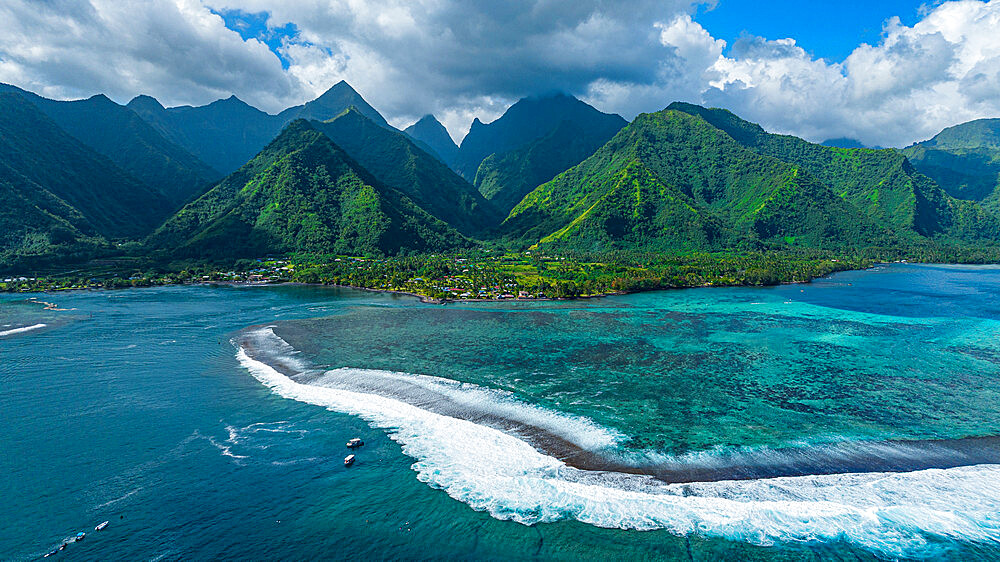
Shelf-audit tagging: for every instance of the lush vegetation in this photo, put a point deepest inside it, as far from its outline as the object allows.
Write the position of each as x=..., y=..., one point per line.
x=58, y=198
x=694, y=178
x=881, y=183
x=482, y=274
x=397, y=162
x=672, y=180
x=506, y=178
x=684, y=197
x=964, y=160
x=301, y=194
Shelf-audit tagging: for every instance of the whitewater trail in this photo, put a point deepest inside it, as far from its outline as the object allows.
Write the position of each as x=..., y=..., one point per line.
x=21, y=330
x=899, y=514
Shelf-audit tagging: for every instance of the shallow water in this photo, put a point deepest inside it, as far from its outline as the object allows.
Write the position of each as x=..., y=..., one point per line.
x=138, y=404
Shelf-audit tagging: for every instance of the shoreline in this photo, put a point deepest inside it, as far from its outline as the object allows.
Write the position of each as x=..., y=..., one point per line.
x=433, y=300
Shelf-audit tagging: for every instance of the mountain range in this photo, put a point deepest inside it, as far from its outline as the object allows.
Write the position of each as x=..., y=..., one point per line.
x=226, y=180
x=697, y=178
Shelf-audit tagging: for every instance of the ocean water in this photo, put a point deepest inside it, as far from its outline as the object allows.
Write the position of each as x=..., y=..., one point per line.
x=852, y=418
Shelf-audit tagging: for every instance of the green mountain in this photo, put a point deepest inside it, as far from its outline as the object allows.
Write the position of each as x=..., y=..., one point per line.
x=302, y=193
x=964, y=160
x=127, y=140
x=524, y=122
x=882, y=183
x=228, y=133
x=397, y=162
x=333, y=102
x=696, y=178
x=506, y=178
x=57, y=194
x=429, y=131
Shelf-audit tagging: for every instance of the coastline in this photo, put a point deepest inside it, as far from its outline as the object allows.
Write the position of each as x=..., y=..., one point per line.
x=434, y=300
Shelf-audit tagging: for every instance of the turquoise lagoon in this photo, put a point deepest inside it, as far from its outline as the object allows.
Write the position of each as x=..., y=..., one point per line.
x=853, y=417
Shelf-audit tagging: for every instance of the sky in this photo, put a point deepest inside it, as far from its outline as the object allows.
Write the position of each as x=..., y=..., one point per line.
x=887, y=72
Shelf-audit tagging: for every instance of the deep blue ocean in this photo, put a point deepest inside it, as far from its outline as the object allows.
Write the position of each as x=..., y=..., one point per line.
x=855, y=417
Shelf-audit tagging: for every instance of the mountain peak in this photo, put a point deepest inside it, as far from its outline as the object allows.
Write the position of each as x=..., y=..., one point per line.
x=343, y=85
x=428, y=119
x=231, y=101
x=429, y=131
x=100, y=98
x=332, y=103
x=743, y=131
x=527, y=120
x=143, y=102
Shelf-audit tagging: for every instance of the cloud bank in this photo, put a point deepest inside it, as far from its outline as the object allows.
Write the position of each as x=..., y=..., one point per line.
x=462, y=59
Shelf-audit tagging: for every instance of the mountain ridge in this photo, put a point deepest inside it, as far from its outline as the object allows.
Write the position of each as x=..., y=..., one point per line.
x=302, y=193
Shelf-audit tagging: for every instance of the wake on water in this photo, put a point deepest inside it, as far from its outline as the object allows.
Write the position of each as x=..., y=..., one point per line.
x=21, y=330
x=892, y=513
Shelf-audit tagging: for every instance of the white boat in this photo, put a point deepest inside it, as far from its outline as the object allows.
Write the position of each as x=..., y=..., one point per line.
x=101, y=526
x=80, y=536
x=355, y=443
x=348, y=460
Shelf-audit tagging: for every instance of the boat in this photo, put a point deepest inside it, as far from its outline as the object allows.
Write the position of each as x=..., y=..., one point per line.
x=62, y=546
x=51, y=552
x=101, y=526
x=355, y=443
x=348, y=460
x=80, y=536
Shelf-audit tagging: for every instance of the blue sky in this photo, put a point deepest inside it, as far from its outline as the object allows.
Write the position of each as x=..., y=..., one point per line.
x=829, y=29
x=253, y=25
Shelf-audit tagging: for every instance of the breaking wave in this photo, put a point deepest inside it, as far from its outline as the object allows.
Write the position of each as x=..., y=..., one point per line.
x=476, y=445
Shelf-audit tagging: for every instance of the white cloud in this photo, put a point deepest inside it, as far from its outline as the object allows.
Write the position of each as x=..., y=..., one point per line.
x=916, y=81
x=177, y=50
x=462, y=59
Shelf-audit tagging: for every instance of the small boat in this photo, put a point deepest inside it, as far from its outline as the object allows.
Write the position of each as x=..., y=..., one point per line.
x=355, y=443
x=101, y=526
x=348, y=460
x=80, y=536
x=51, y=552
x=62, y=546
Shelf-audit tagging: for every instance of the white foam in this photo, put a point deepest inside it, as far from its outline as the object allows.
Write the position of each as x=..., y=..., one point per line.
x=474, y=398
x=22, y=329
x=896, y=514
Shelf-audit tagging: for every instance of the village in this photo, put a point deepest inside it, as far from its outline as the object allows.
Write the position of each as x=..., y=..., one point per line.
x=478, y=276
